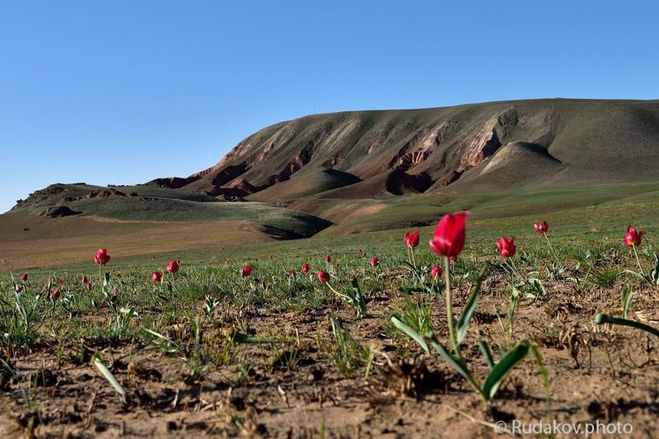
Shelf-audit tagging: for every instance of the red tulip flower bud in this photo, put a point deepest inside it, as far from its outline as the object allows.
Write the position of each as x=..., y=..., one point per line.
x=306, y=267
x=19, y=288
x=293, y=273
x=156, y=276
x=328, y=259
x=173, y=266
x=411, y=239
x=24, y=277
x=375, y=261
x=435, y=271
x=506, y=247
x=102, y=257
x=448, y=240
x=85, y=280
x=542, y=227
x=246, y=271
x=55, y=294
x=632, y=237
x=323, y=276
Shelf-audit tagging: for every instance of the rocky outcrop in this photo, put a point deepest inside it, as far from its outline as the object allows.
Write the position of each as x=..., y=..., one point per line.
x=484, y=144
x=59, y=194
x=59, y=212
x=173, y=182
x=422, y=145
x=106, y=193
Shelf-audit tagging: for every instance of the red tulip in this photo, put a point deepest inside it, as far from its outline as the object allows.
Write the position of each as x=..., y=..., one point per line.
x=55, y=294
x=448, y=240
x=306, y=267
x=411, y=239
x=435, y=271
x=102, y=257
x=293, y=273
x=506, y=246
x=246, y=271
x=632, y=237
x=156, y=276
x=85, y=280
x=328, y=259
x=173, y=266
x=24, y=277
x=61, y=282
x=542, y=227
x=375, y=261
x=89, y=286
x=19, y=288
x=323, y=276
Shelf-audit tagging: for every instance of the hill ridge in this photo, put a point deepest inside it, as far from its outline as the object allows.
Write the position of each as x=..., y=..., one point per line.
x=394, y=152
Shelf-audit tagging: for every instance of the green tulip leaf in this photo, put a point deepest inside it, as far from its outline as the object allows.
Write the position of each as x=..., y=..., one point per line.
x=239, y=337
x=605, y=318
x=484, y=347
x=410, y=333
x=457, y=364
x=509, y=360
x=358, y=299
x=109, y=376
x=470, y=306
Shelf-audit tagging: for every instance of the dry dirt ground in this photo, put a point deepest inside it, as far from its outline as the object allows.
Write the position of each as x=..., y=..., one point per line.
x=598, y=374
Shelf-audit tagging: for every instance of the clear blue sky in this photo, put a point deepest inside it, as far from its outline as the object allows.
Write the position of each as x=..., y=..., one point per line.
x=126, y=91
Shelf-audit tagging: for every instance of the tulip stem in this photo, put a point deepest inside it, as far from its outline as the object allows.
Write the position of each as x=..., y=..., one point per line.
x=336, y=292
x=551, y=247
x=515, y=269
x=449, y=309
x=637, y=260
x=514, y=300
x=412, y=259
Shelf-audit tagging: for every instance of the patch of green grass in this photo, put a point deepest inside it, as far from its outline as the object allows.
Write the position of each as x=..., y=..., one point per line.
x=347, y=354
x=605, y=277
x=417, y=315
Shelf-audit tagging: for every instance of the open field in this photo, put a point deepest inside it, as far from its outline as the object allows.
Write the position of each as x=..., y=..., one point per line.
x=242, y=230
x=62, y=241
x=210, y=352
